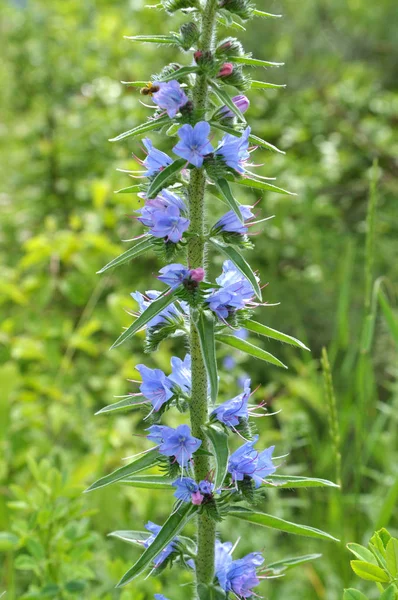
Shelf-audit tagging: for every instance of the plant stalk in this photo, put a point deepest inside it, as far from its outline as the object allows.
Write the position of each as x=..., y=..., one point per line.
x=206, y=531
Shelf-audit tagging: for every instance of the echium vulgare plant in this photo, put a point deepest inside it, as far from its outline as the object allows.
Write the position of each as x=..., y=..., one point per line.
x=209, y=482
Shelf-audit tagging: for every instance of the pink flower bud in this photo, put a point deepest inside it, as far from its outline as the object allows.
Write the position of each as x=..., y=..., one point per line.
x=197, y=55
x=197, y=274
x=197, y=498
x=225, y=70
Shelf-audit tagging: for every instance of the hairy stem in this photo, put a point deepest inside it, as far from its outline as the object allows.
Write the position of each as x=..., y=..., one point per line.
x=196, y=257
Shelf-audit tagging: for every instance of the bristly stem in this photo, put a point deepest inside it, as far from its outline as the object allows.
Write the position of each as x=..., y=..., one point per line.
x=196, y=258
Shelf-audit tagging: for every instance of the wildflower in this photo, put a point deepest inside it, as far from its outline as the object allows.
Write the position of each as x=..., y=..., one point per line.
x=160, y=558
x=234, y=292
x=185, y=487
x=206, y=487
x=169, y=312
x=197, y=274
x=151, y=211
x=225, y=70
x=155, y=387
x=247, y=462
x=156, y=160
x=170, y=97
x=175, y=442
x=232, y=411
x=230, y=222
x=181, y=373
x=169, y=224
x=241, y=102
x=160, y=597
x=237, y=576
x=193, y=144
x=234, y=150
x=173, y=275
x=197, y=498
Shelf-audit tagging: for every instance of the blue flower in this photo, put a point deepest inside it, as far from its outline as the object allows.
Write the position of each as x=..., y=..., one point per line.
x=156, y=160
x=237, y=576
x=247, y=462
x=160, y=597
x=170, y=97
x=173, y=275
x=155, y=387
x=193, y=144
x=234, y=292
x=181, y=373
x=154, y=529
x=241, y=102
x=159, y=204
x=222, y=560
x=234, y=150
x=168, y=313
x=230, y=222
x=232, y=411
x=206, y=487
x=175, y=442
x=169, y=224
x=186, y=486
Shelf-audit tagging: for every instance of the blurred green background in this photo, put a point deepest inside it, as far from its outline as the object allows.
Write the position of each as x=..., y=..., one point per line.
x=60, y=222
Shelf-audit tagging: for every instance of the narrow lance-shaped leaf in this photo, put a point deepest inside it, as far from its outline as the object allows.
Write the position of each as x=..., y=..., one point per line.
x=263, y=85
x=225, y=190
x=155, y=307
x=140, y=129
x=122, y=405
x=254, y=139
x=227, y=100
x=182, y=72
x=169, y=531
x=219, y=442
x=272, y=333
x=136, y=250
x=295, y=481
x=259, y=185
x=264, y=520
x=204, y=323
x=139, y=84
x=151, y=482
x=155, y=39
x=254, y=62
x=132, y=537
x=131, y=189
x=161, y=179
x=250, y=349
x=140, y=464
x=240, y=264
x=265, y=15
x=287, y=563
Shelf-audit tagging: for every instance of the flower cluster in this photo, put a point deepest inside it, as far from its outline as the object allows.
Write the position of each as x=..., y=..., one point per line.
x=177, y=443
x=234, y=292
x=165, y=216
x=187, y=490
x=158, y=389
x=170, y=97
x=177, y=274
x=237, y=576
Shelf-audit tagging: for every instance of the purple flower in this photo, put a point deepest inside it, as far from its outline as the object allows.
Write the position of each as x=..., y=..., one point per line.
x=230, y=222
x=234, y=150
x=247, y=462
x=232, y=411
x=197, y=274
x=181, y=373
x=160, y=597
x=168, y=313
x=155, y=387
x=159, y=205
x=185, y=487
x=170, y=97
x=235, y=291
x=156, y=160
x=241, y=102
x=193, y=144
x=175, y=442
x=154, y=529
x=237, y=576
x=174, y=275
x=206, y=487
x=169, y=224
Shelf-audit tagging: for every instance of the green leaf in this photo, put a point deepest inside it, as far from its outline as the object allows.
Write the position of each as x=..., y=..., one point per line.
x=227, y=100
x=288, y=563
x=241, y=264
x=132, y=189
x=262, y=85
x=265, y=15
x=205, y=325
x=294, y=481
x=122, y=405
x=265, y=520
x=392, y=557
x=390, y=593
x=24, y=562
x=151, y=482
x=272, y=333
x=223, y=187
x=155, y=39
x=260, y=185
x=140, y=129
x=248, y=348
x=140, y=464
x=389, y=316
x=210, y=592
x=352, y=594
x=254, y=62
x=136, y=250
x=169, y=531
x=182, y=72
x=161, y=179
x=139, y=84
x=132, y=537
x=8, y=541
x=155, y=307
x=368, y=571
x=252, y=138
x=362, y=553
x=219, y=442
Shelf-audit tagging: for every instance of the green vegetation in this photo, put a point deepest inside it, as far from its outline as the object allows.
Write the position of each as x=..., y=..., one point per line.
x=330, y=256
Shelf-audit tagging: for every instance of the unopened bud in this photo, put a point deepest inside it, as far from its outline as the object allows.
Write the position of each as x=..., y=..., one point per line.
x=226, y=70
x=189, y=35
x=197, y=274
x=241, y=102
x=197, y=498
x=230, y=47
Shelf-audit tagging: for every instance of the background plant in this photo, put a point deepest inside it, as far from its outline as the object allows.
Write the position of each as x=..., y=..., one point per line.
x=336, y=114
